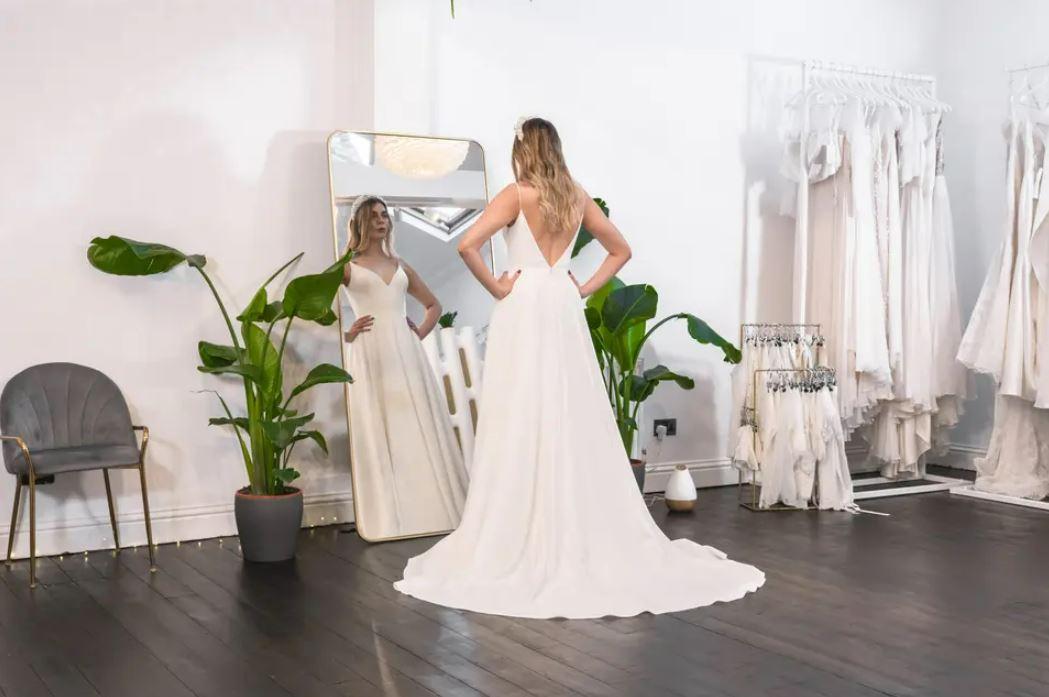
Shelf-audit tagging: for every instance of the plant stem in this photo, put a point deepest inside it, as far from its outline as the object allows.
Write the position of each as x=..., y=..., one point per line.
x=656, y=326
x=225, y=315
x=277, y=272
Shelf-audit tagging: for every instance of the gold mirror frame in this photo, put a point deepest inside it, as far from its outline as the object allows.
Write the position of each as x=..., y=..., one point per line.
x=338, y=325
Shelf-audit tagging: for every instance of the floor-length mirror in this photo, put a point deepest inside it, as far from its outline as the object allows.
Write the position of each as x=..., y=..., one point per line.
x=400, y=203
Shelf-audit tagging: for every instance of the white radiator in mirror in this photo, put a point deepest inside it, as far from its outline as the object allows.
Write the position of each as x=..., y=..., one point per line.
x=455, y=356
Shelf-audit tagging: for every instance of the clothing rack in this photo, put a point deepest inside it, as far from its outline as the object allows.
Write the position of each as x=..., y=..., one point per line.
x=804, y=373
x=969, y=490
x=808, y=68
x=1027, y=68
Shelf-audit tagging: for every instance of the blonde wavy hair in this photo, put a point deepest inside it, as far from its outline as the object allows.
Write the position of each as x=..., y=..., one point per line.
x=358, y=227
x=539, y=162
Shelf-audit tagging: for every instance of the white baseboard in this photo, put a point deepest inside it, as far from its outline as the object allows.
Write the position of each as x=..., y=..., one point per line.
x=170, y=525
x=705, y=473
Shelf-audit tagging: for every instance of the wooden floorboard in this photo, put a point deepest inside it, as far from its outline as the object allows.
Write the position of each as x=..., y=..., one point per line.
x=945, y=596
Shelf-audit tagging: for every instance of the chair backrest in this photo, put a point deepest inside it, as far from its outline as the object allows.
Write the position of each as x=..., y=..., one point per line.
x=59, y=405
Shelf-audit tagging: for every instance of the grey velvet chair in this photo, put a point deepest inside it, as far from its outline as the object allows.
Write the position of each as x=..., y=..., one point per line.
x=63, y=417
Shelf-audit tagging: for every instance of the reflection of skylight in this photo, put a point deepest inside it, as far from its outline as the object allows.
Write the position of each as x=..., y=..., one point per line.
x=444, y=222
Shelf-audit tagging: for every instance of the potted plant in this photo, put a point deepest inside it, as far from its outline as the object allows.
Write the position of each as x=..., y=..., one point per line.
x=269, y=509
x=618, y=316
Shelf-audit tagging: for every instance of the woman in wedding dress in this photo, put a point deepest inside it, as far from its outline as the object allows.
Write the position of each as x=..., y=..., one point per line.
x=408, y=472
x=554, y=524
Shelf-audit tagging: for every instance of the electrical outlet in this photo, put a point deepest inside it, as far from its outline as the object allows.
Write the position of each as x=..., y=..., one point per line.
x=671, y=425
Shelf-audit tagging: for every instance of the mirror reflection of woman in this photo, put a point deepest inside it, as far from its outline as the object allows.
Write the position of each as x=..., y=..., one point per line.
x=408, y=470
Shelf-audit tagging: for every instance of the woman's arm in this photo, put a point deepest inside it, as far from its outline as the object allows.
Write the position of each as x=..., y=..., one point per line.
x=609, y=237
x=502, y=211
x=418, y=289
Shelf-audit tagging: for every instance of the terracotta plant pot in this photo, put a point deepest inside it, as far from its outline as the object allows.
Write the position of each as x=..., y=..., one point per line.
x=638, y=466
x=268, y=525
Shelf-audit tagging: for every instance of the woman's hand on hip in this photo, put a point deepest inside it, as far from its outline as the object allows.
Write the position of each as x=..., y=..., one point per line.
x=582, y=293
x=505, y=283
x=363, y=324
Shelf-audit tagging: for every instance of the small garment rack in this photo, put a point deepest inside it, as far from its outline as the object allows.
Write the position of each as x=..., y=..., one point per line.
x=785, y=332
x=787, y=378
x=969, y=490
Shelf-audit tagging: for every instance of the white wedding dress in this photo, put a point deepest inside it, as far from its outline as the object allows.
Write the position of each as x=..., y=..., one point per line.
x=554, y=524
x=409, y=477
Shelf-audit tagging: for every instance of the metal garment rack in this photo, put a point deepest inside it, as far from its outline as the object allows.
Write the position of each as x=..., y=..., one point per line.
x=970, y=490
x=752, y=505
x=809, y=68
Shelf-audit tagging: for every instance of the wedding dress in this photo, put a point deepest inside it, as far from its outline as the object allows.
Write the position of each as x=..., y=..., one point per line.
x=554, y=524
x=408, y=471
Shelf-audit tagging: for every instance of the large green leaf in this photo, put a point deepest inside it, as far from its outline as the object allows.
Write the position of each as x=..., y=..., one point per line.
x=323, y=373
x=661, y=373
x=286, y=475
x=597, y=299
x=256, y=308
x=585, y=237
x=251, y=372
x=327, y=319
x=240, y=421
x=273, y=311
x=340, y=263
x=281, y=433
x=629, y=305
x=216, y=355
x=126, y=257
x=638, y=388
x=310, y=297
x=263, y=355
x=701, y=332
x=316, y=436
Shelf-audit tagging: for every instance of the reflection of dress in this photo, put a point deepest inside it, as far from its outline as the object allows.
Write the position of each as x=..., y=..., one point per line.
x=407, y=466
x=554, y=524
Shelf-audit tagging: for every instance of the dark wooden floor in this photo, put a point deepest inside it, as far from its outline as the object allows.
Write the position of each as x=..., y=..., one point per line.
x=948, y=596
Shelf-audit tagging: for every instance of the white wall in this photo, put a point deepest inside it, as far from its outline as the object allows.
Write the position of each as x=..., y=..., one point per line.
x=202, y=125
x=662, y=109
x=983, y=40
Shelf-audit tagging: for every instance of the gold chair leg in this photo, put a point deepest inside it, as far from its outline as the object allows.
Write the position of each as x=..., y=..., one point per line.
x=32, y=530
x=145, y=514
x=112, y=512
x=14, y=518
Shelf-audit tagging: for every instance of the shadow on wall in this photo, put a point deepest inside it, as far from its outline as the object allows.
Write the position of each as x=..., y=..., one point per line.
x=768, y=234
x=165, y=177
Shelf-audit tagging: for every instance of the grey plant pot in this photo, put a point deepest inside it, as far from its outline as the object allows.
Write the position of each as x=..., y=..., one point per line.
x=638, y=467
x=268, y=525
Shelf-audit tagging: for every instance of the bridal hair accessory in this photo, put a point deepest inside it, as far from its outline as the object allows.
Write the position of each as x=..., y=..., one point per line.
x=360, y=200
x=519, y=126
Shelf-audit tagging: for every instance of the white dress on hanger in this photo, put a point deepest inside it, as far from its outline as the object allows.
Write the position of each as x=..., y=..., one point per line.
x=1009, y=328
x=408, y=471
x=983, y=344
x=554, y=524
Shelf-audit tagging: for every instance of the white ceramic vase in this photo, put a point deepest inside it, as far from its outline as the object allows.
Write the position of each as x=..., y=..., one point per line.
x=681, y=490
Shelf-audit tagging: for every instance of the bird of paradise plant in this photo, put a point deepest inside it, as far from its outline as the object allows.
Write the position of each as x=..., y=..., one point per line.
x=269, y=430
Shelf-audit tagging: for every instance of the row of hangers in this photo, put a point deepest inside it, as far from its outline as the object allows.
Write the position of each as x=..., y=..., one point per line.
x=801, y=380
x=1029, y=95
x=780, y=334
x=834, y=87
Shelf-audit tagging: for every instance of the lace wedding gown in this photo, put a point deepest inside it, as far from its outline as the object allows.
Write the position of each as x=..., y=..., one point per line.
x=554, y=524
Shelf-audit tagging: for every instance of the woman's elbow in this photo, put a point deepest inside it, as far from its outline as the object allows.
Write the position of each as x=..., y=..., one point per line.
x=463, y=247
x=627, y=253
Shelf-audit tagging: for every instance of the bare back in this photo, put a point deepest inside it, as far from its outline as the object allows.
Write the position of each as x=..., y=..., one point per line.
x=552, y=244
